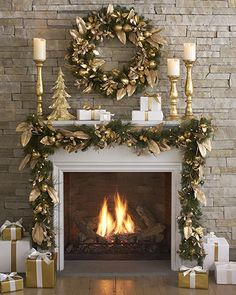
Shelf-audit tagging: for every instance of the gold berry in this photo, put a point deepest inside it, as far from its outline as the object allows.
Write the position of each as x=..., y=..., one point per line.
x=125, y=81
x=152, y=64
x=118, y=27
x=127, y=28
x=44, y=187
x=147, y=34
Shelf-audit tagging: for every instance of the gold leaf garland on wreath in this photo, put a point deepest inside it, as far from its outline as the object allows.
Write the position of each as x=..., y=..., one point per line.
x=189, y=136
x=126, y=25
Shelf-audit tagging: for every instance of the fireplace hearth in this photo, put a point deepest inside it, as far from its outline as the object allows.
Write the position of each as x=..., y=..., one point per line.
x=117, y=215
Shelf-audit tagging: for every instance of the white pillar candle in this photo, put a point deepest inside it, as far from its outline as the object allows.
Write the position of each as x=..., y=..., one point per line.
x=173, y=67
x=39, y=46
x=190, y=51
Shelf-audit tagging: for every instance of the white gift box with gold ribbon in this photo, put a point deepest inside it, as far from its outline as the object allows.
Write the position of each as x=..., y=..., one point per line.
x=13, y=255
x=216, y=250
x=87, y=115
x=150, y=103
x=225, y=273
x=147, y=116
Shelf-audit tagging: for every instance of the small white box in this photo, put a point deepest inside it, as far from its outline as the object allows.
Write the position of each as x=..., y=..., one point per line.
x=155, y=116
x=147, y=116
x=215, y=251
x=225, y=273
x=149, y=103
x=22, y=250
x=210, y=238
x=88, y=115
x=105, y=116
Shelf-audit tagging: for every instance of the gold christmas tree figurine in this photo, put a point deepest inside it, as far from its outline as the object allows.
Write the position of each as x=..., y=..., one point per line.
x=60, y=105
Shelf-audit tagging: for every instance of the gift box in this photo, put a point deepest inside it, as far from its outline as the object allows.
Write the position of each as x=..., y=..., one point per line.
x=217, y=250
x=150, y=103
x=147, y=116
x=105, y=116
x=225, y=273
x=210, y=238
x=12, y=230
x=88, y=115
x=10, y=282
x=41, y=270
x=193, y=278
x=13, y=255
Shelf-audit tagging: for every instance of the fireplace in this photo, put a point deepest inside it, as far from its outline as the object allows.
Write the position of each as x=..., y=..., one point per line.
x=117, y=215
x=122, y=166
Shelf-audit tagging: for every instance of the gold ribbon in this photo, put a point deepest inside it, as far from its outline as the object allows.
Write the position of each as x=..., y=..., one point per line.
x=152, y=97
x=216, y=251
x=146, y=116
x=150, y=100
x=13, y=256
x=92, y=114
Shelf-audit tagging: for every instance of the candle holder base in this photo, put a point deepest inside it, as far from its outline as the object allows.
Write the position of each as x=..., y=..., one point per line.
x=173, y=118
x=188, y=117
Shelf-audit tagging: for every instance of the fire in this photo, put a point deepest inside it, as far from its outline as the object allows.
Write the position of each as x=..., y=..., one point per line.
x=122, y=224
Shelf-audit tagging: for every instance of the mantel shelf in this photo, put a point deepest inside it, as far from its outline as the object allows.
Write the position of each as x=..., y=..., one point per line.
x=134, y=123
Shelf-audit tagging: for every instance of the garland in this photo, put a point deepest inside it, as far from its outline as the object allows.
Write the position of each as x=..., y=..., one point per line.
x=41, y=139
x=107, y=23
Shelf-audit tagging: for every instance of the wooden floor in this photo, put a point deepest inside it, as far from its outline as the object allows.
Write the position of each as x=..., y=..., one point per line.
x=163, y=285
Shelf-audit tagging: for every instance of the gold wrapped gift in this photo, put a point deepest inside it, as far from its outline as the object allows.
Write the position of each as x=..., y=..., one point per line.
x=41, y=270
x=10, y=283
x=12, y=231
x=195, y=277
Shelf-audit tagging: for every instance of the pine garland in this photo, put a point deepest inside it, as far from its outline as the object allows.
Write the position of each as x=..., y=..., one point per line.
x=40, y=140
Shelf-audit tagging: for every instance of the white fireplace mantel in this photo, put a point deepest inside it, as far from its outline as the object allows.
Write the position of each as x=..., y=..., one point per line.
x=117, y=159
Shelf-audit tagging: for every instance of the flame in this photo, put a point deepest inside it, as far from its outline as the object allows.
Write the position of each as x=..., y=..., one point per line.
x=123, y=222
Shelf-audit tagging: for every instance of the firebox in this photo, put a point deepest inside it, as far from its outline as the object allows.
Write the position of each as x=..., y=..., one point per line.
x=117, y=215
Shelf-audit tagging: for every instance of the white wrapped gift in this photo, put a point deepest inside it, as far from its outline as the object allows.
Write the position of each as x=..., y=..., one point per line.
x=225, y=272
x=150, y=103
x=217, y=250
x=210, y=238
x=105, y=116
x=88, y=115
x=13, y=255
x=147, y=116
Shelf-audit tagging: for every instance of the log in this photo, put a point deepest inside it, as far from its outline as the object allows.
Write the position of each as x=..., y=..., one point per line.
x=153, y=231
x=146, y=216
x=139, y=224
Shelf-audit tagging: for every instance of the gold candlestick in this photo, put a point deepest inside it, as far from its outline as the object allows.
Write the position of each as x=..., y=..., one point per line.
x=39, y=87
x=188, y=90
x=173, y=99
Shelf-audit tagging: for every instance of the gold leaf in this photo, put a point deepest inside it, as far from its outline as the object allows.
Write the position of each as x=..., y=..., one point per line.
x=131, y=89
x=24, y=126
x=88, y=88
x=110, y=9
x=25, y=137
x=75, y=34
x=151, y=77
x=133, y=38
x=66, y=133
x=131, y=14
x=164, y=147
x=33, y=163
x=120, y=93
x=200, y=196
x=155, y=30
x=34, y=194
x=81, y=25
x=154, y=44
x=37, y=233
x=121, y=36
x=97, y=62
x=158, y=39
x=45, y=140
x=188, y=232
x=53, y=195
x=24, y=162
x=153, y=147
x=207, y=144
x=80, y=135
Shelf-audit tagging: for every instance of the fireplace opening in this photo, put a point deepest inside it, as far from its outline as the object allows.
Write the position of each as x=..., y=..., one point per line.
x=117, y=215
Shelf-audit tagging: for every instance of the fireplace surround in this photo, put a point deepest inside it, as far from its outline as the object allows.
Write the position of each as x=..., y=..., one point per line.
x=117, y=159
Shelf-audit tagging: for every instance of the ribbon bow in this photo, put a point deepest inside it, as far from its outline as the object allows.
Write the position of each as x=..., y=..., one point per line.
x=4, y=277
x=89, y=107
x=154, y=96
x=7, y=224
x=45, y=256
x=187, y=270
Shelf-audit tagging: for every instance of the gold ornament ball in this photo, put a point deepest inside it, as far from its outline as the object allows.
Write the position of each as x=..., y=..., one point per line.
x=52, y=139
x=133, y=82
x=118, y=28
x=152, y=64
x=127, y=28
x=44, y=187
x=151, y=53
x=35, y=155
x=147, y=34
x=88, y=26
x=38, y=209
x=125, y=81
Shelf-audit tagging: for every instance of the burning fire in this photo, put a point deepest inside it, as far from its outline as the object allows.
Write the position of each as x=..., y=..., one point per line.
x=122, y=224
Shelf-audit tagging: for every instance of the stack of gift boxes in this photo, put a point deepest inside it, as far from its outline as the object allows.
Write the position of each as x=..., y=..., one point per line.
x=17, y=256
x=90, y=114
x=216, y=259
x=150, y=109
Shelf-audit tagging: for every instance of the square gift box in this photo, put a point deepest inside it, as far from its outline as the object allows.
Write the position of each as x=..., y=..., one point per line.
x=217, y=250
x=41, y=272
x=194, y=279
x=150, y=103
x=225, y=273
x=13, y=255
x=12, y=231
x=88, y=115
x=10, y=282
x=147, y=116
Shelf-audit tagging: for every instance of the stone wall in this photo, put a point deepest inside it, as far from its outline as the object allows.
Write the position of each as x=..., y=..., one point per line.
x=211, y=24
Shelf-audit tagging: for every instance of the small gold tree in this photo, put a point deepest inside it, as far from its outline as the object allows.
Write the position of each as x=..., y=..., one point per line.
x=60, y=105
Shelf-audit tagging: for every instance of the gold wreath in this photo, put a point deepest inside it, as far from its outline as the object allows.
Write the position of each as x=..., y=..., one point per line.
x=126, y=25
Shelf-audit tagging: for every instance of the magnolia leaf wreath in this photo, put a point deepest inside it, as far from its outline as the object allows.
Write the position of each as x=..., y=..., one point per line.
x=40, y=139
x=126, y=25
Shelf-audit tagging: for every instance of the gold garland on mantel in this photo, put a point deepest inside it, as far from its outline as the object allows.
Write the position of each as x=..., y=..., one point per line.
x=40, y=139
x=107, y=23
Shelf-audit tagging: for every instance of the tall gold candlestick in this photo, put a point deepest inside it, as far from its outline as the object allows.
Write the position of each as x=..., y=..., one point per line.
x=39, y=87
x=173, y=99
x=188, y=90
